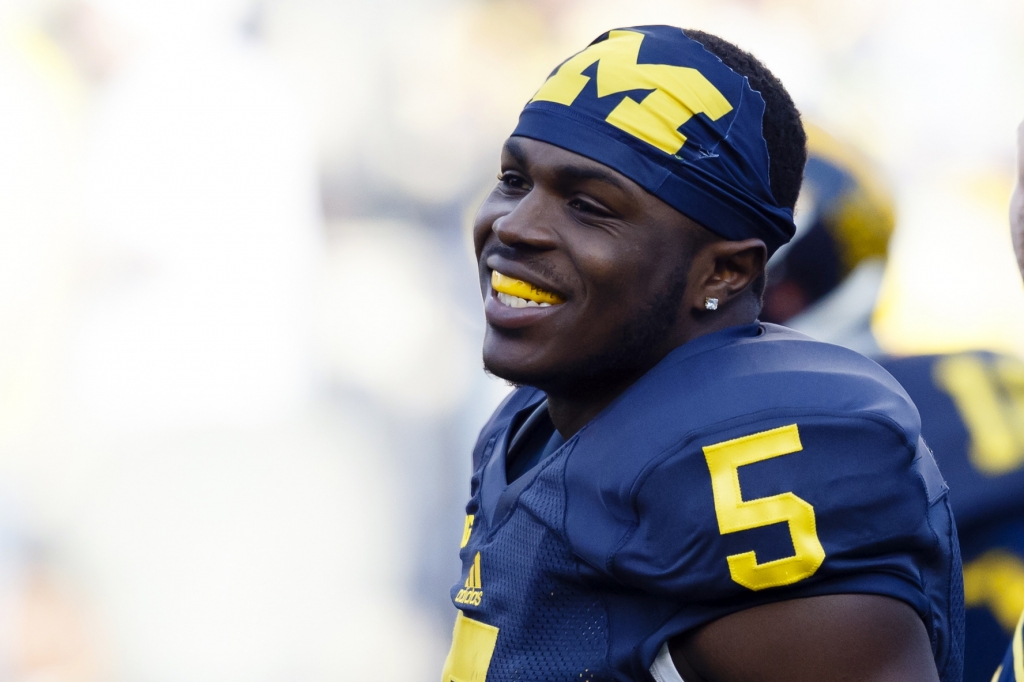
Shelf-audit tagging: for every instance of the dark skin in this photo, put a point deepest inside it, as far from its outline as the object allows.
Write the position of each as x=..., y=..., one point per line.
x=634, y=273
x=575, y=227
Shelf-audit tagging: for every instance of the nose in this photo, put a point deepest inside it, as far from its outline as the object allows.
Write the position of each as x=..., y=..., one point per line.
x=529, y=223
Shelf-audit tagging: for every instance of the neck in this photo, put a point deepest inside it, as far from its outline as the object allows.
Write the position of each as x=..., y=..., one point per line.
x=572, y=410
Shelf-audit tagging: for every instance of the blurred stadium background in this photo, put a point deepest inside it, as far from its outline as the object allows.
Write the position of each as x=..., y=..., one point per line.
x=239, y=323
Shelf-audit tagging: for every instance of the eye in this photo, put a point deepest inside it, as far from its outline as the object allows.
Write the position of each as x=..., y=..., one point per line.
x=510, y=181
x=584, y=206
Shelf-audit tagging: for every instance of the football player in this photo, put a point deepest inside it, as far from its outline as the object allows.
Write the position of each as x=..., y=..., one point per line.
x=971, y=404
x=1012, y=667
x=675, y=490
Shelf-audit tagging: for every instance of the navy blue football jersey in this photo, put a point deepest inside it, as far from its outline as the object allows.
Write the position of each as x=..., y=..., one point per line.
x=750, y=466
x=972, y=413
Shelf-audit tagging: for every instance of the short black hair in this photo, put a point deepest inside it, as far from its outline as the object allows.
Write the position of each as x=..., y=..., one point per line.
x=783, y=132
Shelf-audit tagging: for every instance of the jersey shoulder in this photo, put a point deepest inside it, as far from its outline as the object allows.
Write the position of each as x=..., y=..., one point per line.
x=767, y=467
x=822, y=414
x=743, y=376
x=785, y=367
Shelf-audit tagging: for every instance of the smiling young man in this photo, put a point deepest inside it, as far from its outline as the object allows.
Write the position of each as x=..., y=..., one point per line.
x=676, y=491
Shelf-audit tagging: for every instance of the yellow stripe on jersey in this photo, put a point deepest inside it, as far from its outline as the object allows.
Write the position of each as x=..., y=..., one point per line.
x=472, y=647
x=473, y=581
x=1018, y=651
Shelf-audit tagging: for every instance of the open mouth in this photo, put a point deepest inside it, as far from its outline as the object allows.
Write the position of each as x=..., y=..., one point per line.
x=516, y=293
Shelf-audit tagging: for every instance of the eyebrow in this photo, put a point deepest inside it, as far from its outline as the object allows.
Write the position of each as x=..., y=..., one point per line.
x=568, y=175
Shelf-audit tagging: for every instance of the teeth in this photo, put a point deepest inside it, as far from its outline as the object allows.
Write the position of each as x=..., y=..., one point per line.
x=517, y=302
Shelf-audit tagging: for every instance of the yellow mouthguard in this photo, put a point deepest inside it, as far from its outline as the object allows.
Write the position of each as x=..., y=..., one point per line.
x=504, y=284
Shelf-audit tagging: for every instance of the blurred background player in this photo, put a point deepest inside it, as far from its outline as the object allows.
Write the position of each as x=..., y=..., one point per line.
x=825, y=283
x=1012, y=667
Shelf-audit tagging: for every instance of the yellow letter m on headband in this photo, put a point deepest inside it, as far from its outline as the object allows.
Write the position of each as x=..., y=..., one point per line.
x=679, y=91
x=624, y=99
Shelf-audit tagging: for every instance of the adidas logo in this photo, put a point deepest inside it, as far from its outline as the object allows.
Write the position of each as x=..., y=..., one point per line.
x=472, y=593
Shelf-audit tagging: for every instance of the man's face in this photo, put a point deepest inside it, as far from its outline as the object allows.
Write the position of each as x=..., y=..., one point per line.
x=591, y=271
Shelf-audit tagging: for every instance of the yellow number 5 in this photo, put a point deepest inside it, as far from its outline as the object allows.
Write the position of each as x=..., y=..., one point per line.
x=736, y=514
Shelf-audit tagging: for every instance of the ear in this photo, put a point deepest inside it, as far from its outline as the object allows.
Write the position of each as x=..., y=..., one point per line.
x=729, y=269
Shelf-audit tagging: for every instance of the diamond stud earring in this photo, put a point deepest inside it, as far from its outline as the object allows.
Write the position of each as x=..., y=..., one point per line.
x=711, y=303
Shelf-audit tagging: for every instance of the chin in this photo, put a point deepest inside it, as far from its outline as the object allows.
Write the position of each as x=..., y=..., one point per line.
x=524, y=364
x=590, y=376
x=504, y=367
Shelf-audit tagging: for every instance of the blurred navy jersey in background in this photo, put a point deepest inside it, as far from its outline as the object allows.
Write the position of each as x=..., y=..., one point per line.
x=972, y=415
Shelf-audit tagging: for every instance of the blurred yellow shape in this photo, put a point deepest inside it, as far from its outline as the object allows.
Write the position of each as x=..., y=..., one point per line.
x=996, y=580
x=990, y=397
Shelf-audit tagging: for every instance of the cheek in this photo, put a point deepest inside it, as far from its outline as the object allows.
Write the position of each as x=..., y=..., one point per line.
x=605, y=262
x=494, y=207
x=626, y=274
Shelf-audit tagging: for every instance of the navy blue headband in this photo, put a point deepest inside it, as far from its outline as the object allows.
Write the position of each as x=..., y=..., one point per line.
x=657, y=107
